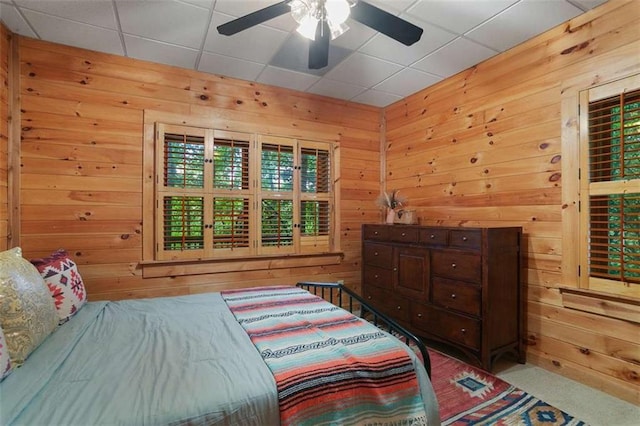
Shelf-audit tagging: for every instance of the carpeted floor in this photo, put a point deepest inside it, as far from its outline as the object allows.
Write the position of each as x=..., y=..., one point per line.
x=470, y=396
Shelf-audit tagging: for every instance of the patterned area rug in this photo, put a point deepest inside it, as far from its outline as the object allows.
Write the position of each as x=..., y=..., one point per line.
x=470, y=396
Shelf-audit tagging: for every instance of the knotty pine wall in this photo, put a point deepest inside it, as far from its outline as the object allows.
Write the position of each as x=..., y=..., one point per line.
x=4, y=136
x=81, y=162
x=483, y=148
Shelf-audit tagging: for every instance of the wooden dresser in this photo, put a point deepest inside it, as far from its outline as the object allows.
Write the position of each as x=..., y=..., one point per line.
x=460, y=286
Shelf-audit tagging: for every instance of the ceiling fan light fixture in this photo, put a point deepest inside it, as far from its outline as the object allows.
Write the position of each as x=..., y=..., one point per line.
x=307, y=27
x=307, y=13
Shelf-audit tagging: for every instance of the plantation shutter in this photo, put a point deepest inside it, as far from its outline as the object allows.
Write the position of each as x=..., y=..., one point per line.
x=277, y=207
x=315, y=196
x=610, y=190
x=181, y=195
x=232, y=202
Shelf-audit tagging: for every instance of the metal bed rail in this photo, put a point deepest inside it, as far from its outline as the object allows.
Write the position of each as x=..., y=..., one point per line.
x=340, y=295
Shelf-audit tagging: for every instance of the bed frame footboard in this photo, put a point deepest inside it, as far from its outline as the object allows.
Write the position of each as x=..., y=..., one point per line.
x=346, y=298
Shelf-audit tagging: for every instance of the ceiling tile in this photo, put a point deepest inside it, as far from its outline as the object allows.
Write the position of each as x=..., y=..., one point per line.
x=589, y=4
x=224, y=65
x=458, y=16
x=521, y=22
x=386, y=48
x=376, y=98
x=14, y=21
x=257, y=44
x=163, y=53
x=169, y=21
x=356, y=36
x=336, y=89
x=286, y=78
x=458, y=55
x=99, y=13
x=76, y=34
x=363, y=70
x=407, y=81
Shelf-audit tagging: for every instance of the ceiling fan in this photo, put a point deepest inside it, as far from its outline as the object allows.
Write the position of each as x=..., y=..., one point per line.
x=323, y=20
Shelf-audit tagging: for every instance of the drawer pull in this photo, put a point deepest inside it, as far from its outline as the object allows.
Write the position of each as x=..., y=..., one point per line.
x=369, y=297
x=463, y=330
x=399, y=308
x=375, y=253
x=464, y=238
x=404, y=234
x=376, y=276
x=432, y=236
x=375, y=233
x=419, y=315
x=395, y=269
x=453, y=296
x=453, y=265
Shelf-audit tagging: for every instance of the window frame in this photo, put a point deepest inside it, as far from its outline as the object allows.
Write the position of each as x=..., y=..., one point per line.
x=575, y=207
x=153, y=266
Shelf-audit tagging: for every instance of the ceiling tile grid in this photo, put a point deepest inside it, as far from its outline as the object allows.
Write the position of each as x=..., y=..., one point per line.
x=364, y=66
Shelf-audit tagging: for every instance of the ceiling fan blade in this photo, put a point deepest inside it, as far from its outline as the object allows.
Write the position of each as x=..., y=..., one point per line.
x=386, y=23
x=255, y=18
x=319, y=48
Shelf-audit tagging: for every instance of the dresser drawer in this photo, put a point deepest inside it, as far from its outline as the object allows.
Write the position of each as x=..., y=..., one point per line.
x=376, y=232
x=457, y=265
x=446, y=325
x=458, y=296
x=379, y=277
x=387, y=303
x=434, y=236
x=404, y=234
x=465, y=238
x=378, y=255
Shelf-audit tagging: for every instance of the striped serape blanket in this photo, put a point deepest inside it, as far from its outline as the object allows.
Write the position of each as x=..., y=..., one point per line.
x=330, y=367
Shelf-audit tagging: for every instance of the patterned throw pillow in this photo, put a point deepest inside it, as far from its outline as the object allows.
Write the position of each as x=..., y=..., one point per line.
x=61, y=275
x=5, y=361
x=27, y=313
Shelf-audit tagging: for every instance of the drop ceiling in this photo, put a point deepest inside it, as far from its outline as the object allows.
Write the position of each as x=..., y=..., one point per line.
x=365, y=66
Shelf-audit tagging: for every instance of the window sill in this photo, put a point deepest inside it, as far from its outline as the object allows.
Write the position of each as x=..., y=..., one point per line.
x=609, y=305
x=156, y=269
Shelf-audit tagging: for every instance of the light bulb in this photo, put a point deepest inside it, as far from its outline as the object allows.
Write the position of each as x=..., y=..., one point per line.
x=337, y=11
x=308, y=26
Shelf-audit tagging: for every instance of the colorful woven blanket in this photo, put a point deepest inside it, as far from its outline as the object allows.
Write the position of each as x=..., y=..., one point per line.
x=330, y=366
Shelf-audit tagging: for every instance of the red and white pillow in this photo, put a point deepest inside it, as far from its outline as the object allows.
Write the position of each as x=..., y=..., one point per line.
x=61, y=275
x=5, y=361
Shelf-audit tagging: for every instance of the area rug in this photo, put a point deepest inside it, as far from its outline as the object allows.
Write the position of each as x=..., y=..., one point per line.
x=470, y=396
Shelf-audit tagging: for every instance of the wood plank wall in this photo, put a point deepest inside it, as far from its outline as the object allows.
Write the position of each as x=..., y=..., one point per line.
x=81, y=162
x=484, y=148
x=4, y=135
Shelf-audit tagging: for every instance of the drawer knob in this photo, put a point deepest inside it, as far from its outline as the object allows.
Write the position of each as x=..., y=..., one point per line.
x=453, y=296
x=463, y=330
x=375, y=253
x=464, y=238
x=399, y=308
x=432, y=236
x=375, y=233
x=419, y=315
x=453, y=265
x=369, y=297
x=395, y=269
x=404, y=234
x=376, y=276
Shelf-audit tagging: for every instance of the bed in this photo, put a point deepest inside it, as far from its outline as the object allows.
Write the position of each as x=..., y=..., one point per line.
x=220, y=359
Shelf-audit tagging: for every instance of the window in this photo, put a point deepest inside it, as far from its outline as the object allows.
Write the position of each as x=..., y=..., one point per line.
x=222, y=194
x=610, y=189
